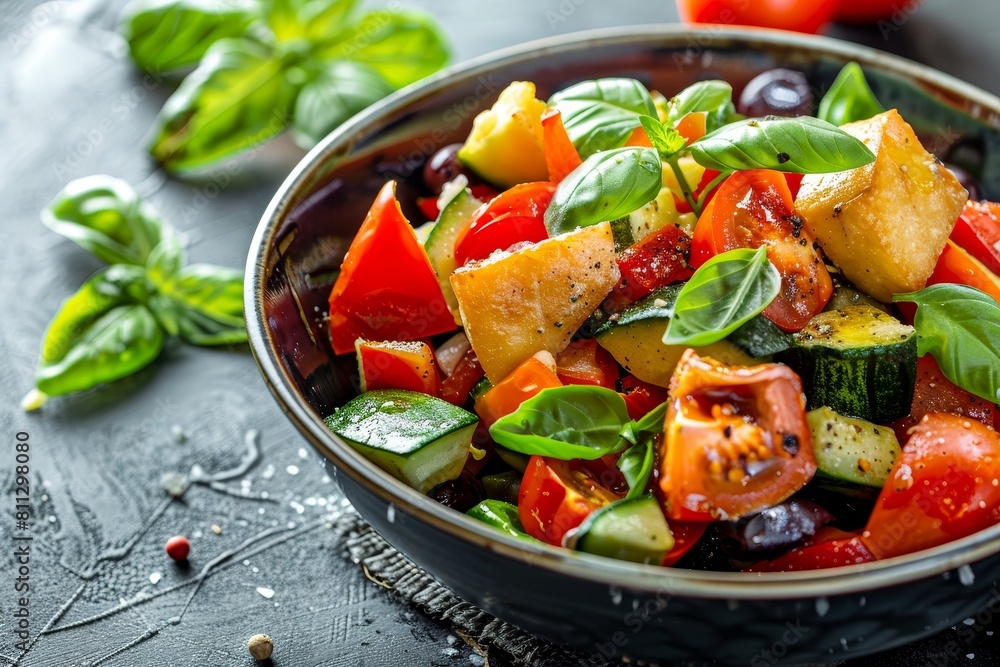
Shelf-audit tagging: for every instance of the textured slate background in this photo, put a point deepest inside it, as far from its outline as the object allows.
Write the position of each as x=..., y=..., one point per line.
x=102, y=590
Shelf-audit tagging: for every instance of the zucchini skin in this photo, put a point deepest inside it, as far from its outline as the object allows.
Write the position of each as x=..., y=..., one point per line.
x=872, y=381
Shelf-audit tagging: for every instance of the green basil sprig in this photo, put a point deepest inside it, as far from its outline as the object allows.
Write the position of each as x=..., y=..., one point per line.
x=118, y=321
x=667, y=141
x=960, y=327
x=801, y=145
x=607, y=186
x=574, y=422
x=849, y=98
x=713, y=97
x=600, y=115
x=258, y=56
x=723, y=294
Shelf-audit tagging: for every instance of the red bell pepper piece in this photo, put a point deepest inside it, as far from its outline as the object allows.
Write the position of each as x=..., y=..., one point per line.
x=658, y=260
x=397, y=365
x=586, y=362
x=955, y=265
x=386, y=289
x=978, y=232
x=561, y=156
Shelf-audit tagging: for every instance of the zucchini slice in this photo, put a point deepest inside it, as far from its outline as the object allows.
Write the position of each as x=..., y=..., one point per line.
x=852, y=451
x=633, y=530
x=858, y=361
x=503, y=516
x=440, y=243
x=418, y=439
x=760, y=338
x=635, y=339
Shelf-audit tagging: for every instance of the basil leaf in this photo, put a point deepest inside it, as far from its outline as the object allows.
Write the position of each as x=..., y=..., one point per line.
x=166, y=35
x=402, y=46
x=600, y=115
x=666, y=140
x=209, y=305
x=101, y=333
x=570, y=422
x=607, y=186
x=340, y=91
x=723, y=293
x=707, y=96
x=636, y=464
x=849, y=98
x=503, y=516
x=238, y=96
x=801, y=145
x=105, y=216
x=960, y=327
x=652, y=421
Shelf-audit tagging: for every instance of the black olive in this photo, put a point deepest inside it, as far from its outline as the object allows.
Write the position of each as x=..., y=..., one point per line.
x=443, y=167
x=461, y=494
x=774, y=530
x=777, y=92
x=968, y=182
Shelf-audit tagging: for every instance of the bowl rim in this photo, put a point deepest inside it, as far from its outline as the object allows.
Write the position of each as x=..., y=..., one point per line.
x=842, y=580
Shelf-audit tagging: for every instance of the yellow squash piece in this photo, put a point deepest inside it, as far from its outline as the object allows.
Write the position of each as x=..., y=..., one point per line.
x=505, y=145
x=884, y=224
x=518, y=303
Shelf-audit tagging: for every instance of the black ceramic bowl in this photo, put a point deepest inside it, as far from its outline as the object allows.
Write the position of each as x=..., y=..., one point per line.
x=615, y=608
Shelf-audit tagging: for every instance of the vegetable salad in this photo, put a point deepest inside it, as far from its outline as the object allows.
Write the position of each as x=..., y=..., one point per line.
x=756, y=333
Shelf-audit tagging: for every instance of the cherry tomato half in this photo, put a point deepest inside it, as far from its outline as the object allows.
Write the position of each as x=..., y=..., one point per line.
x=755, y=208
x=799, y=15
x=556, y=496
x=511, y=217
x=978, y=232
x=737, y=440
x=942, y=487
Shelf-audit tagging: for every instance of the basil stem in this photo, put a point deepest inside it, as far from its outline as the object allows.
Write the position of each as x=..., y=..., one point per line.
x=849, y=98
x=607, y=186
x=570, y=422
x=960, y=327
x=800, y=145
x=724, y=293
x=600, y=115
x=105, y=216
x=167, y=35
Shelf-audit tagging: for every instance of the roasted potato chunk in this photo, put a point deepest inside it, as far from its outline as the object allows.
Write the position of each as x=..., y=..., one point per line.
x=884, y=224
x=515, y=304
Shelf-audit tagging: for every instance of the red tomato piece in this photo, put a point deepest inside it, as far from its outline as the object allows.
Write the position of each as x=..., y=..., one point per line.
x=657, y=260
x=641, y=397
x=955, y=265
x=556, y=496
x=513, y=216
x=755, y=208
x=737, y=439
x=978, y=232
x=586, y=362
x=794, y=184
x=386, y=289
x=525, y=381
x=429, y=207
x=809, y=16
x=944, y=486
x=686, y=535
x=829, y=547
x=456, y=387
x=397, y=365
x=936, y=393
x=561, y=156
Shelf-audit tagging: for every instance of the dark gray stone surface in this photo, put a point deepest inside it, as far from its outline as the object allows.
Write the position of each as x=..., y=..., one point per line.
x=102, y=591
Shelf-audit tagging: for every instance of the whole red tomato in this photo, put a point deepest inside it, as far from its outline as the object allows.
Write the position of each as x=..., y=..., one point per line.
x=798, y=15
